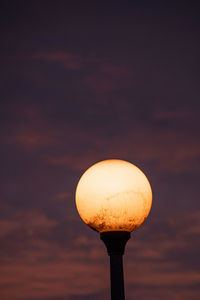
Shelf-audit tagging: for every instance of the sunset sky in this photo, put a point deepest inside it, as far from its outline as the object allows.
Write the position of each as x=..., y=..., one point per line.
x=84, y=81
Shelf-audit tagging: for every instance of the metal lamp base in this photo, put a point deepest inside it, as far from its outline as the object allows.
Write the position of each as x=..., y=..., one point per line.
x=115, y=242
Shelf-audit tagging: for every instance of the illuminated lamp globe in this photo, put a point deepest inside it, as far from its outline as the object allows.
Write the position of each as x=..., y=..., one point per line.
x=113, y=195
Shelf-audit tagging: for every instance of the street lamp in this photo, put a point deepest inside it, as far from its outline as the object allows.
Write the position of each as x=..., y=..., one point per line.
x=114, y=197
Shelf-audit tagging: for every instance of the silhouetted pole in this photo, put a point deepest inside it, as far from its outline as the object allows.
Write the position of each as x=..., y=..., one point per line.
x=115, y=242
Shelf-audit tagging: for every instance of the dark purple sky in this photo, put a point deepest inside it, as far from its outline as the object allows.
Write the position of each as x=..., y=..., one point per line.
x=82, y=82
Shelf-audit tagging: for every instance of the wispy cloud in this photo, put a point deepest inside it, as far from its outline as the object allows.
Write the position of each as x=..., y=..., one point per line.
x=26, y=222
x=109, y=77
x=68, y=60
x=155, y=259
x=166, y=114
x=97, y=75
x=75, y=146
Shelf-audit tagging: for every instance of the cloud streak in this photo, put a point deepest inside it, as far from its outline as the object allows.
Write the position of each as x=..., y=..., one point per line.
x=49, y=269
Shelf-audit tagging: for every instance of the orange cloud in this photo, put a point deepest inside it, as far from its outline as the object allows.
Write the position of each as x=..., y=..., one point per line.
x=48, y=269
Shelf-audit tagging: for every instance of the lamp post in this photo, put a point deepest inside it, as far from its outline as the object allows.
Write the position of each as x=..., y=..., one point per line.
x=114, y=197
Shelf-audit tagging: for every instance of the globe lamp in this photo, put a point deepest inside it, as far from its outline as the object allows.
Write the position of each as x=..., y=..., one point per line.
x=114, y=197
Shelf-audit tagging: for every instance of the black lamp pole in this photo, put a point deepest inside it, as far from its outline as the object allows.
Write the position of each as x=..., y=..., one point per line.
x=115, y=242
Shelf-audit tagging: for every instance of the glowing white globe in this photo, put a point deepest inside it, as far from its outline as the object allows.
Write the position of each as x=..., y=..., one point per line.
x=113, y=195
